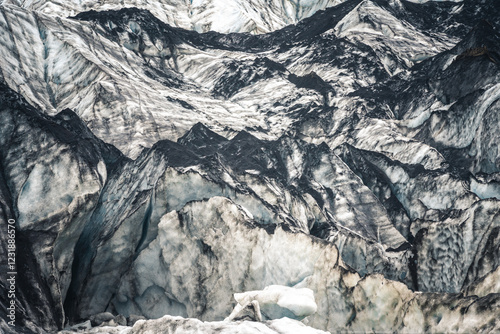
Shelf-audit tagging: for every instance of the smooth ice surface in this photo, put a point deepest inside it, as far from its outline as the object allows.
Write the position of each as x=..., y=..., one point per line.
x=298, y=301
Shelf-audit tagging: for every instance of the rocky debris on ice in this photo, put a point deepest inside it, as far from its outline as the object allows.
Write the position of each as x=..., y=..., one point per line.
x=104, y=321
x=277, y=303
x=170, y=324
x=250, y=311
x=133, y=318
x=99, y=319
x=81, y=327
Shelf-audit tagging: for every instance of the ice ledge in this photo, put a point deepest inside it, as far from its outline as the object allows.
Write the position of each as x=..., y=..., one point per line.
x=276, y=301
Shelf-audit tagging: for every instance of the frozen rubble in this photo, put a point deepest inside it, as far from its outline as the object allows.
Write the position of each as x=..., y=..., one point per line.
x=176, y=324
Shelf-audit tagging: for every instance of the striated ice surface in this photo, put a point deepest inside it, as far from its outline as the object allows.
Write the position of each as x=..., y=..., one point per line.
x=253, y=16
x=402, y=45
x=173, y=324
x=349, y=163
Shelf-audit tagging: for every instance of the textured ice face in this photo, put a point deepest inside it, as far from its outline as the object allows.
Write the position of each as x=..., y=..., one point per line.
x=41, y=159
x=200, y=259
x=304, y=187
x=253, y=16
x=211, y=250
x=176, y=78
x=354, y=154
x=402, y=45
x=192, y=259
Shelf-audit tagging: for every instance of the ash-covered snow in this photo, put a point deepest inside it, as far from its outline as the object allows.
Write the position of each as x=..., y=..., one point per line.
x=154, y=170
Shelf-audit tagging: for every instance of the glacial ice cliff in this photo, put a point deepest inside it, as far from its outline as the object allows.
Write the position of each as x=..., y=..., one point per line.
x=157, y=171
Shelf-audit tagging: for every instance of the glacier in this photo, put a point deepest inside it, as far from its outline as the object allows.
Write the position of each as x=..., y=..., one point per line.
x=273, y=167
